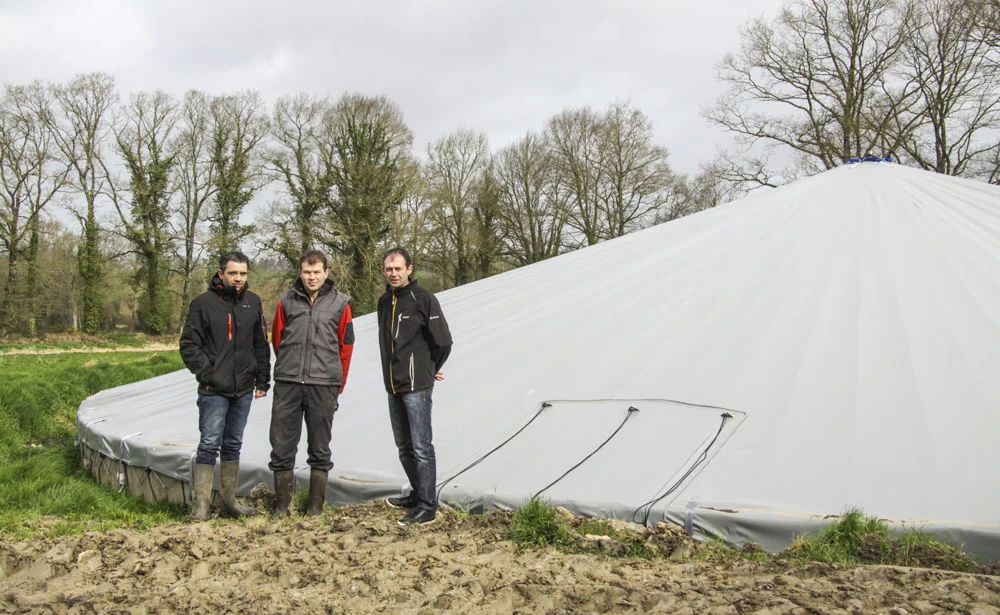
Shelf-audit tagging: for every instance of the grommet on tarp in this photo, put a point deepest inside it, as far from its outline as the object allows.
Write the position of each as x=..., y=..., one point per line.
x=121, y=460
x=88, y=463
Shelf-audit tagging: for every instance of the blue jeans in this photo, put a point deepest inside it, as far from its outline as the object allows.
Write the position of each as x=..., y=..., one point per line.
x=410, y=414
x=221, y=421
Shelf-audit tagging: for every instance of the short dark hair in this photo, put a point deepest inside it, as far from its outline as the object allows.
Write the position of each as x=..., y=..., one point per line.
x=312, y=257
x=233, y=257
x=400, y=251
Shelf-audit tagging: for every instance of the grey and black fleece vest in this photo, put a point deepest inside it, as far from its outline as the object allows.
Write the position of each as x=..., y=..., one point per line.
x=309, y=352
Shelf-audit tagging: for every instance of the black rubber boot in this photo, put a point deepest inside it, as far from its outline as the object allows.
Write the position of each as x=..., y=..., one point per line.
x=230, y=480
x=317, y=492
x=203, y=479
x=283, y=492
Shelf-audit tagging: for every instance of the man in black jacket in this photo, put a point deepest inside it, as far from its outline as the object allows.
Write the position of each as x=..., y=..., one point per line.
x=415, y=342
x=224, y=344
x=313, y=337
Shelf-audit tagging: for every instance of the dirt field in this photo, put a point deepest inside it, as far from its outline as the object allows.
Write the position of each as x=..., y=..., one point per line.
x=358, y=560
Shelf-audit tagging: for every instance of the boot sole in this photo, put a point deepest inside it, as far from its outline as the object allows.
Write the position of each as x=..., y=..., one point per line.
x=399, y=506
x=425, y=523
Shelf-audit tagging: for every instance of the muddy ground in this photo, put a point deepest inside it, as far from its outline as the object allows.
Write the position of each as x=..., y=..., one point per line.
x=358, y=560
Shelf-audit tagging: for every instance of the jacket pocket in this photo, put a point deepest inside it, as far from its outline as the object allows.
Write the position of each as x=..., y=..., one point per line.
x=288, y=361
x=204, y=377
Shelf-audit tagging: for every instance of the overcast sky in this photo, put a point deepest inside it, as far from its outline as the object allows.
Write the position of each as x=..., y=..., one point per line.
x=502, y=67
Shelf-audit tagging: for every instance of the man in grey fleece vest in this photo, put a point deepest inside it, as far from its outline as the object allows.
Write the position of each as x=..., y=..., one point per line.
x=313, y=339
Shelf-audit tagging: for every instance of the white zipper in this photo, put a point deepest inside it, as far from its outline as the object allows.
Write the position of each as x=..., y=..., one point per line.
x=412, y=385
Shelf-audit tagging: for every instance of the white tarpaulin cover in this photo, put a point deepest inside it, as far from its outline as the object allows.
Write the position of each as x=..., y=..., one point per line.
x=831, y=343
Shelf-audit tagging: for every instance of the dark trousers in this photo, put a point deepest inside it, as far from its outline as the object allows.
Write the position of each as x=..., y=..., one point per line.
x=292, y=403
x=221, y=421
x=410, y=415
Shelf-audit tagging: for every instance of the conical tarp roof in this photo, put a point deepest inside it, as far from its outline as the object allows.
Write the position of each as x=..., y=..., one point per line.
x=745, y=371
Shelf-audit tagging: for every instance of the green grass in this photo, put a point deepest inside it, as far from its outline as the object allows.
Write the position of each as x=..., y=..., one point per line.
x=462, y=512
x=852, y=538
x=43, y=489
x=632, y=544
x=300, y=501
x=841, y=541
x=855, y=538
x=536, y=524
x=82, y=342
x=922, y=549
x=715, y=548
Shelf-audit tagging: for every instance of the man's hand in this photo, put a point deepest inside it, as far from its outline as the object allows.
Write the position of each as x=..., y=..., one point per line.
x=439, y=376
x=258, y=394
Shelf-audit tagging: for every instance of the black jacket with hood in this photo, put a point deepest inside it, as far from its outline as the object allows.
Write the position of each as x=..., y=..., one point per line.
x=413, y=337
x=224, y=342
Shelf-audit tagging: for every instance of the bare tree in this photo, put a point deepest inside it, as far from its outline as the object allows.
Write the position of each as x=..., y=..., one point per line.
x=736, y=173
x=239, y=126
x=607, y=171
x=636, y=177
x=958, y=77
x=366, y=151
x=54, y=247
x=578, y=141
x=486, y=227
x=533, y=220
x=819, y=80
x=142, y=201
x=297, y=162
x=988, y=28
x=194, y=176
x=454, y=167
x=690, y=195
x=30, y=177
x=411, y=222
x=80, y=127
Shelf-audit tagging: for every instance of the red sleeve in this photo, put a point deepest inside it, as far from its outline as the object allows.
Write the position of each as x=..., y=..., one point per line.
x=277, y=327
x=345, y=335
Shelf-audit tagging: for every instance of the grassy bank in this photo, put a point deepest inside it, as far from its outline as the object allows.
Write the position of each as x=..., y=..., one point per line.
x=853, y=538
x=81, y=342
x=43, y=489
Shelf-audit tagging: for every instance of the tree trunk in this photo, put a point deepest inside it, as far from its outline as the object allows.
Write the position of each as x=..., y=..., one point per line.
x=8, y=312
x=90, y=273
x=31, y=290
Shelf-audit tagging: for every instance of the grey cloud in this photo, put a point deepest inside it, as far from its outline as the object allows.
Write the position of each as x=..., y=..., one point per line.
x=499, y=67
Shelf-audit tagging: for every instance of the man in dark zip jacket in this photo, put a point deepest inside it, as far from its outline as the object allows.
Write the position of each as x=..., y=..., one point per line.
x=224, y=344
x=313, y=338
x=415, y=342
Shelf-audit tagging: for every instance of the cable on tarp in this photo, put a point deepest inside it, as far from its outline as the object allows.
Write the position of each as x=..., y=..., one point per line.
x=442, y=484
x=648, y=506
x=628, y=414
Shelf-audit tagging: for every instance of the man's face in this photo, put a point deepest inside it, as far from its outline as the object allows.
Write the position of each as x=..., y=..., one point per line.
x=397, y=274
x=313, y=275
x=235, y=275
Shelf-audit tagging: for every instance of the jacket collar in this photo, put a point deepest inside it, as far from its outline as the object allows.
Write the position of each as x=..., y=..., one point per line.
x=411, y=282
x=219, y=287
x=300, y=288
